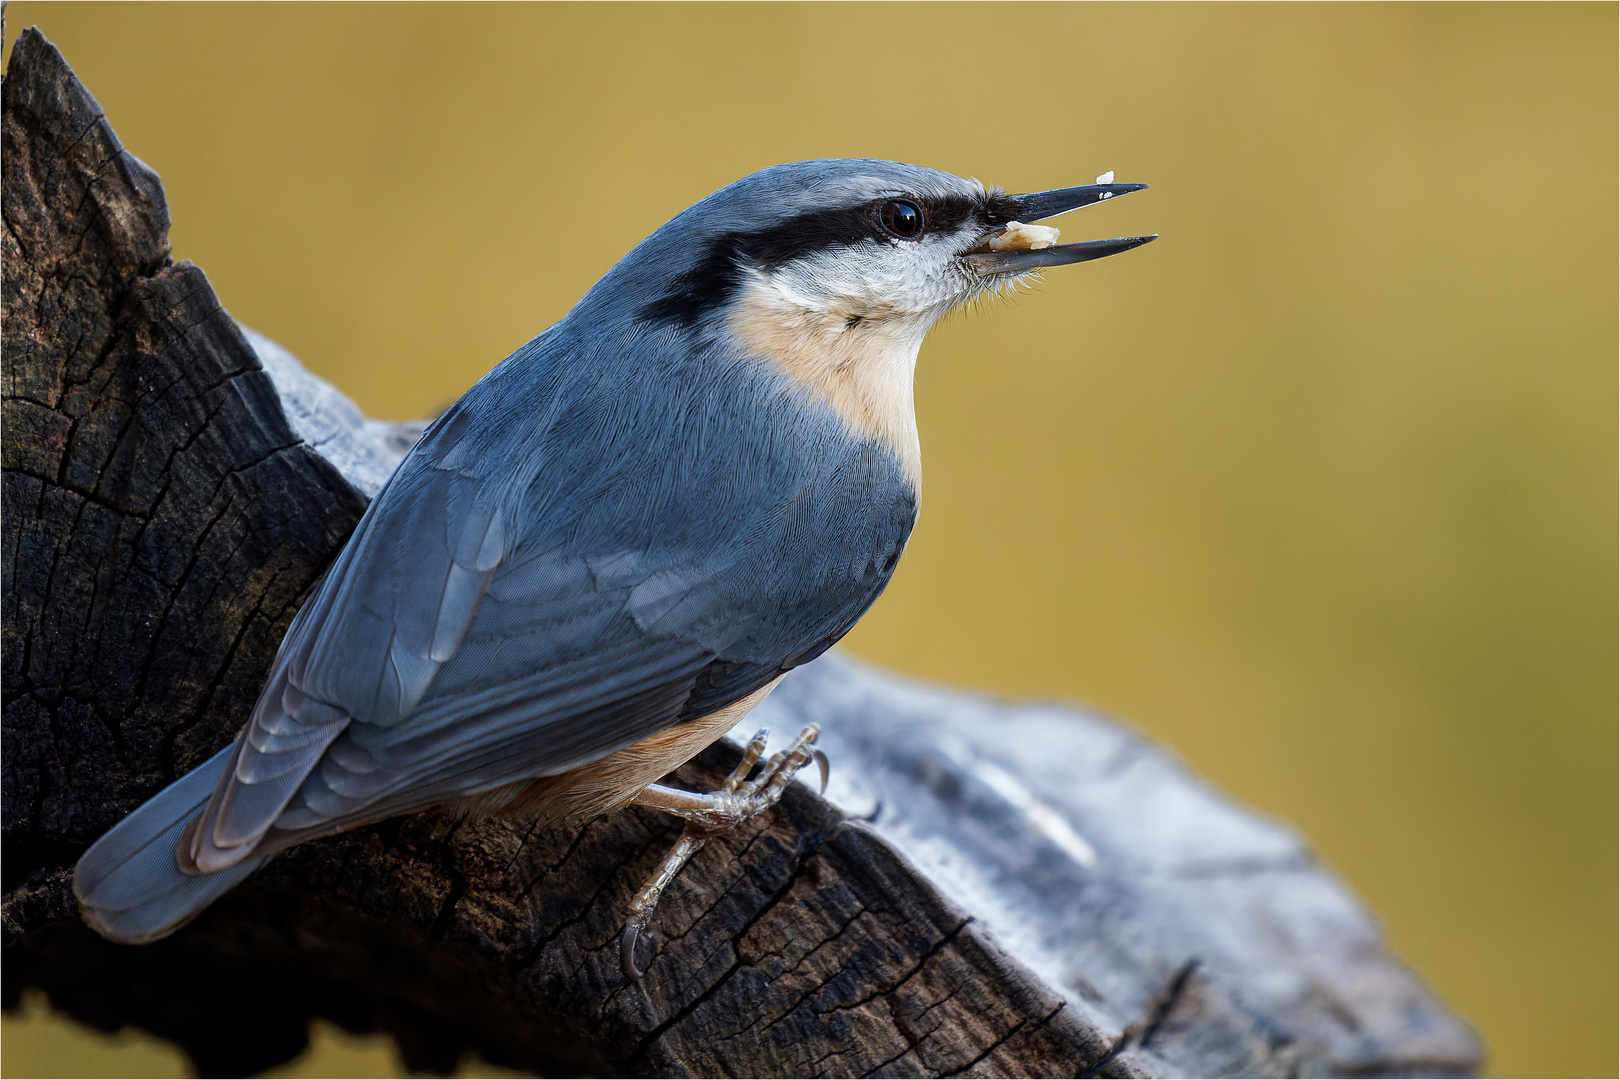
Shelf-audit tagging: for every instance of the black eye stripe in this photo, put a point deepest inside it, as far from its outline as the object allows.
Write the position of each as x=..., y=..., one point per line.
x=998, y=209
x=950, y=214
x=819, y=229
x=807, y=233
x=706, y=285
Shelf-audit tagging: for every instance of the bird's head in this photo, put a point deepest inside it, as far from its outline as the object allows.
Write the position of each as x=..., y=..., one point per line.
x=857, y=241
x=833, y=271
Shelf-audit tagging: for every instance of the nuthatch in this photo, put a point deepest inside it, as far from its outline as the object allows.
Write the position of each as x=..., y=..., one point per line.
x=611, y=549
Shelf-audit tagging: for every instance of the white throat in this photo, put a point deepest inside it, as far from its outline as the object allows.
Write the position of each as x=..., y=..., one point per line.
x=857, y=356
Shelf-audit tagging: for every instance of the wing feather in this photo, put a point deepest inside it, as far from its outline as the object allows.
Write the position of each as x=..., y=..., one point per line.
x=463, y=590
x=290, y=732
x=320, y=810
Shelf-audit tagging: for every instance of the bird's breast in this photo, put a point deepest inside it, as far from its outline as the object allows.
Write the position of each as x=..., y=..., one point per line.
x=857, y=359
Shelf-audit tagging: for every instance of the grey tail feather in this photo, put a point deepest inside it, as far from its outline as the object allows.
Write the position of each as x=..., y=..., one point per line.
x=130, y=888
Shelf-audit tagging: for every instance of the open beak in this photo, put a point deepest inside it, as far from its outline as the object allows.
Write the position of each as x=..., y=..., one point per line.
x=1007, y=251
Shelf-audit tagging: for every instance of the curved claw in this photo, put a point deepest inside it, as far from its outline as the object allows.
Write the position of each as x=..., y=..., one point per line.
x=825, y=766
x=627, y=953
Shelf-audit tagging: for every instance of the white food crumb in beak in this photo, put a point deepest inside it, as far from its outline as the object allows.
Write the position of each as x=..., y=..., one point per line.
x=1106, y=178
x=1020, y=237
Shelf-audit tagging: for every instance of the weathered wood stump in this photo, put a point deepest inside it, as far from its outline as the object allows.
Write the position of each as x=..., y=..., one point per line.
x=991, y=891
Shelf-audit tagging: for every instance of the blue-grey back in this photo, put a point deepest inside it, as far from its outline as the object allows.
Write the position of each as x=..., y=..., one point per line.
x=678, y=527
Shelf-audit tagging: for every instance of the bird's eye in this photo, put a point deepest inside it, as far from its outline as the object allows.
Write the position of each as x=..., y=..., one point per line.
x=903, y=218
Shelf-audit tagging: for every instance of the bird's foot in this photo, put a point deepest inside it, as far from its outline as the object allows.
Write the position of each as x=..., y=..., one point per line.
x=708, y=814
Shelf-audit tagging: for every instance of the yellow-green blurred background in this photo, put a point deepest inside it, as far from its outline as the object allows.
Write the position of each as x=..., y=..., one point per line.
x=1320, y=489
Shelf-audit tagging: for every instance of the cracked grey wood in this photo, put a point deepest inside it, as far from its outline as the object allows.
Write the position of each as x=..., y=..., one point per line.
x=1135, y=890
x=164, y=522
